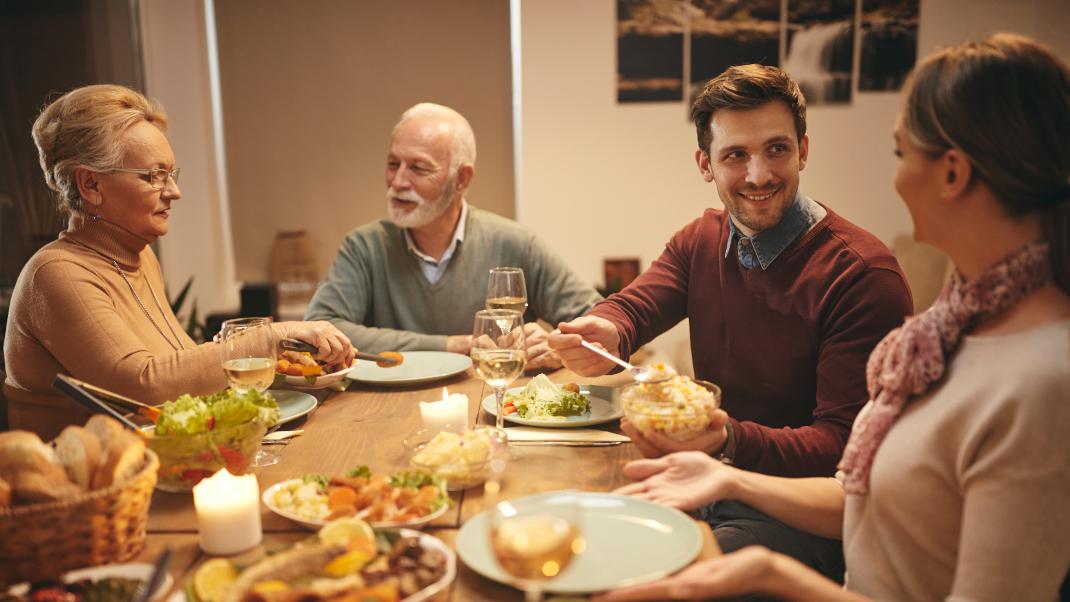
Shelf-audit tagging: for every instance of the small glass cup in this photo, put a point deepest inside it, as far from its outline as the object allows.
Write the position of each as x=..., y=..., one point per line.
x=464, y=459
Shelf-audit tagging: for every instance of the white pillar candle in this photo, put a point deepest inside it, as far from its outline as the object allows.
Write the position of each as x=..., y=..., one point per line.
x=228, y=513
x=451, y=413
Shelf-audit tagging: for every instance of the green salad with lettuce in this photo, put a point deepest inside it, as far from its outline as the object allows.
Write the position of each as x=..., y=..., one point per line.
x=197, y=435
x=196, y=414
x=541, y=399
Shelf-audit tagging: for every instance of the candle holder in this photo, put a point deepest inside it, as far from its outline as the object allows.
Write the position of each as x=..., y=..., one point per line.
x=228, y=513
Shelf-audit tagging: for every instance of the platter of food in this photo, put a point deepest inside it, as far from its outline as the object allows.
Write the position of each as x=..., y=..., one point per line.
x=613, y=528
x=347, y=560
x=107, y=582
x=403, y=499
x=418, y=367
x=299, y=370
x=543, y=403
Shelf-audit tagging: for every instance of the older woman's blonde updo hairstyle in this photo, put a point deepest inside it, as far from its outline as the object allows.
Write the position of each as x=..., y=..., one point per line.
x=1005, y=103
x=83, y=128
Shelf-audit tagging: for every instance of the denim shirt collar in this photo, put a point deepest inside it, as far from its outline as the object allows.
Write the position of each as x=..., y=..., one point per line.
x=764, y=247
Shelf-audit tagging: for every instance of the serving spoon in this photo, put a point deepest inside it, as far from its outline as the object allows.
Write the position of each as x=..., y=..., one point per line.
x=640, y=374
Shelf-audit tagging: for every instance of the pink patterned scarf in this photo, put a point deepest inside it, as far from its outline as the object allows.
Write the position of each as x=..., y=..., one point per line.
x=908, y=361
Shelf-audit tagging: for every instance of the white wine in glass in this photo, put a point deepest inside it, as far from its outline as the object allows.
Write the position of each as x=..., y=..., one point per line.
x=498, y=352
x=245, y=374
x=248, y=349
x=500, y=367
x=506, y=290
x=536, y=544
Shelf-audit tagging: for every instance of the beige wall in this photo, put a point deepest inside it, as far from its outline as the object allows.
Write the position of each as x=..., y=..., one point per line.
x=602, y=179
x=312, y=89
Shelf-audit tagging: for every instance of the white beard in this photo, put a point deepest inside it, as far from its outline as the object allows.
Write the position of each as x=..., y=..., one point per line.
x=425, y=211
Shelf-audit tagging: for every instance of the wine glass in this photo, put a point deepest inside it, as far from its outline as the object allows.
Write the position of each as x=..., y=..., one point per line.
x=506, y=290
x=535, y=540
x=248, y=349
x=498, y=352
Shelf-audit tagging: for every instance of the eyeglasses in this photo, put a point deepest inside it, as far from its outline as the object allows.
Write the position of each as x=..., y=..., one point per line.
x=157, y=176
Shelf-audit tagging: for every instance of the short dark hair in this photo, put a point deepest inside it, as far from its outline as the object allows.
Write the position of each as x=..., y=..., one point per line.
x=745, y=87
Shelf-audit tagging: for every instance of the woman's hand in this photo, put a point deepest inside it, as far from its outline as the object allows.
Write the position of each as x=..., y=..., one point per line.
x=332, y=346
x=749, y=570
x=684, y=480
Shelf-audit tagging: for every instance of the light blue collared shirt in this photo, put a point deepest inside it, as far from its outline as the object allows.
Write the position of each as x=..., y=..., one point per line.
x=765, y=246
x=431, y=269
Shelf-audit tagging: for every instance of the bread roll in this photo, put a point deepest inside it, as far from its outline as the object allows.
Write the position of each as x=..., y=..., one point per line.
x=5, y=494
x=121, y=458
x=78, y=451
x=24, y=451
x=29, y=486
x=104, y=427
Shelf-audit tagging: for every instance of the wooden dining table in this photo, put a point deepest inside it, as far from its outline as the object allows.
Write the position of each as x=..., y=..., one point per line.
x=367, y=425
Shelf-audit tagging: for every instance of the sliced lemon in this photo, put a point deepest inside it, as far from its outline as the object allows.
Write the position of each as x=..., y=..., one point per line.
x=274, y=585
x=342, y=531
x=212, y=579
x=349, y=563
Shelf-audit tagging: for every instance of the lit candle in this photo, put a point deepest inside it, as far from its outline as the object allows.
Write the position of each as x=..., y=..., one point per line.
x=449, y=414
x=228, y=513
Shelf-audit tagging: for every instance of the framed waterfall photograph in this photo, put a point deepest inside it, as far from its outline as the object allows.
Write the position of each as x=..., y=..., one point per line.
x=732, y=33
x=889, y=44
x=819, y=50
x=650, y=50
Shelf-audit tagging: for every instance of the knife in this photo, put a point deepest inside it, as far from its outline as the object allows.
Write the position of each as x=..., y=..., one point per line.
x=568, y=443
x=158, y=573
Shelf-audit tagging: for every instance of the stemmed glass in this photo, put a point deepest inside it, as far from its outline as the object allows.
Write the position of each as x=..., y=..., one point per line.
x=498, y=352
x=248, y=349
x=506, y=290
x=535, y=540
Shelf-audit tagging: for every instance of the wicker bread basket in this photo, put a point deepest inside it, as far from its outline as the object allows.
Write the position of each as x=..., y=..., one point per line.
x=42, y=541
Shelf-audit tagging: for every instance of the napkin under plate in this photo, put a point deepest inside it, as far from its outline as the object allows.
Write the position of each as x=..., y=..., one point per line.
x=531, y=433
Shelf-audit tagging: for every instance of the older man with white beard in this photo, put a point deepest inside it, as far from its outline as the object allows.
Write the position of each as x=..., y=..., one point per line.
x=415, y=281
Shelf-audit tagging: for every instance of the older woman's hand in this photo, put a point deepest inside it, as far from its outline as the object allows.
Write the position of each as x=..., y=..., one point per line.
x=333, y=346
x=684, y=480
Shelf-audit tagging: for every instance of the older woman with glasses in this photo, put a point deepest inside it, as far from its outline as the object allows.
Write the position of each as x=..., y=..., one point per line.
x=91, y=304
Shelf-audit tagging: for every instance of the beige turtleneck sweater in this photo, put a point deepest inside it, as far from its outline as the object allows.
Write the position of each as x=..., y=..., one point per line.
x=73, y=313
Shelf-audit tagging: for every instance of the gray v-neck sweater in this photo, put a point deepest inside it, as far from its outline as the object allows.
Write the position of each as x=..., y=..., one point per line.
x=376, y=294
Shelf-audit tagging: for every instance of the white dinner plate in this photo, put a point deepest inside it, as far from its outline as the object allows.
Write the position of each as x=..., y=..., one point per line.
x=427, y=542
x=418, y=367
x=628, y=540
x=133, y=570
x=268, y=497
x=326, y=381
x=601, y=411
x=292, y=404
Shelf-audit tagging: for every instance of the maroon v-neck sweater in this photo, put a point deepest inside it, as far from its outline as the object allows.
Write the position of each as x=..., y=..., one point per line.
x=788, y=345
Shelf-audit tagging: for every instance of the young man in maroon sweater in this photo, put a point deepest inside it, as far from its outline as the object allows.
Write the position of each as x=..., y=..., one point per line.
x=785, y=298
